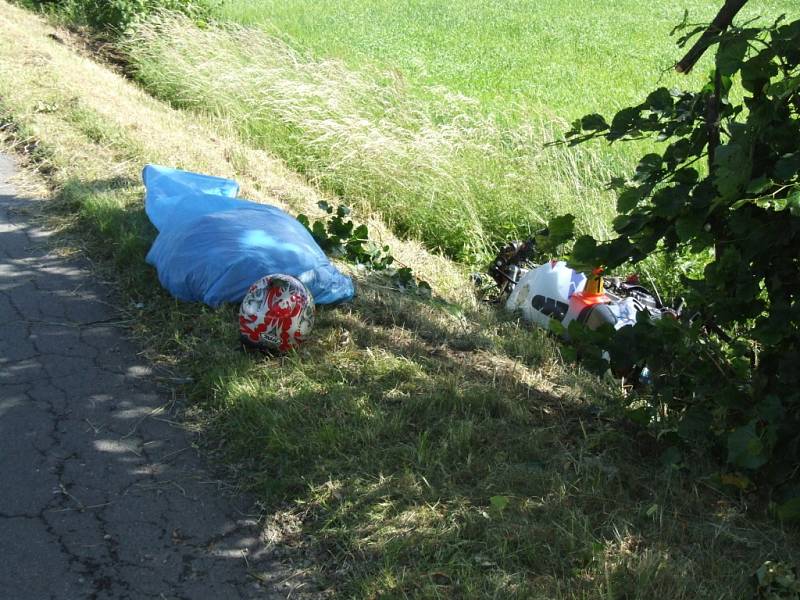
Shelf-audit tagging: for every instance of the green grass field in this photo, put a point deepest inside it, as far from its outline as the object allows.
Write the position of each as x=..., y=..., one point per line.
x=568, y=58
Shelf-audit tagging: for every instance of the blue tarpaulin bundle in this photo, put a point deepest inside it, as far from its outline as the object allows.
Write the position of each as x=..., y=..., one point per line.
x=212, y=246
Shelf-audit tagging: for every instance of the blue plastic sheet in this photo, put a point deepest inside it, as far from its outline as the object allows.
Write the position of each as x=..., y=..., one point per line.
x=212, y=246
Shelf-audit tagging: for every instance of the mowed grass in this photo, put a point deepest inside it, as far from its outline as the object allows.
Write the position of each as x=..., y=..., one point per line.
x=424, y=449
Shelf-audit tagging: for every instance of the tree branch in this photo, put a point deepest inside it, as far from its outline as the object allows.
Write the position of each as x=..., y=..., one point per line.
x=720, y=23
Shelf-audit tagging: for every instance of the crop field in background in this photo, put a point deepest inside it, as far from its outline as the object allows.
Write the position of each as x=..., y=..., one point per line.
x=556, y=56
x=436, y=116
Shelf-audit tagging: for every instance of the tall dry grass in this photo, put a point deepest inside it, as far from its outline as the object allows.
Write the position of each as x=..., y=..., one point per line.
x=433, y=165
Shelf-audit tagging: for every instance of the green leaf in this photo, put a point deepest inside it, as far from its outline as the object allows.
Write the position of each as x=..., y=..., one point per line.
x=615, y=252
x=689, y=226
x=403, y=276
x=303, y=220
x=694, y=424
x=342, y=210
x=325, y=206
x=793, y=203
x=659, y=100
x=499, y=503
x=760, y=185
x=743, y=201
x=668, y=201
x=641, y=415
x=784, y=88
x=734, y=166
x=730, y=54
x=629, y=198
x=777, y=581
x=648, y=166
x=620, y=222
x=757, y=71
x=687, y=176
x=319, y=232
x=342, y=229
x=568, y=353
x=745, y=448
x=630, y=224
x=617, y=183
x=355, y=251
x=561, y=228
x=557, y=327
x=335, y=248
x=584, y=252
x=770, y=409
x=678, y=152
x=625, y=122
x=593, y=122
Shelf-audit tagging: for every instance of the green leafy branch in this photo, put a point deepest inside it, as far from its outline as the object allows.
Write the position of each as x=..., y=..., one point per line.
x=339, y=237
x=729, y=377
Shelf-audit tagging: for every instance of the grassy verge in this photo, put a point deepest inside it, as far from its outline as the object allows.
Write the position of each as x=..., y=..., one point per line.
x=430, y=449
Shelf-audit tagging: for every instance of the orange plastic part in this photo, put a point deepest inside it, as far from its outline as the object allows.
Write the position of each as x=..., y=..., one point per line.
x=590, y=298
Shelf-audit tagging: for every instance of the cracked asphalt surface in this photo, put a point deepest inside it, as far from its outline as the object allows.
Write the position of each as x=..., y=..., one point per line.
x=101, y=495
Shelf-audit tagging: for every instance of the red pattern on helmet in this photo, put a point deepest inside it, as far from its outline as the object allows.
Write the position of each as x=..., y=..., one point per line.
x=277, y=316
x=281, y=317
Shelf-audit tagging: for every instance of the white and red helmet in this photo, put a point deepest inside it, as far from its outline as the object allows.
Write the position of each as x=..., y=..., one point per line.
x=277, y=313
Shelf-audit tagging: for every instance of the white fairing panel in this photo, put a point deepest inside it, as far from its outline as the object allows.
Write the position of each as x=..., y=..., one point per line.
x=543, y=293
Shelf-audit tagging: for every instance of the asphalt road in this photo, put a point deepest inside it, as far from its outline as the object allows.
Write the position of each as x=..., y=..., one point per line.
x=101, y=495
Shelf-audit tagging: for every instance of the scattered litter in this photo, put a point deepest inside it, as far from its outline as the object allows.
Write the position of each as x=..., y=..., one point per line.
x=552, y=295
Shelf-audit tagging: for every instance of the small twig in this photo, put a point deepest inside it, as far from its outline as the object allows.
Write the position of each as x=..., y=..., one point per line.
x=94, y=427
x=133, y=429
x=82, y=508
x=109, y=322
x=171, y=454
x=183, y=491
x=64, y=491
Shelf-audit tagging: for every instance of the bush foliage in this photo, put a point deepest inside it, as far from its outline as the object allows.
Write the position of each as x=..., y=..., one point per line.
x=116, y=15
x=726, y=187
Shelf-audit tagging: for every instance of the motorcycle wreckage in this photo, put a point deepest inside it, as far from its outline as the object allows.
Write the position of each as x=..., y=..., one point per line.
x=553, y=291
